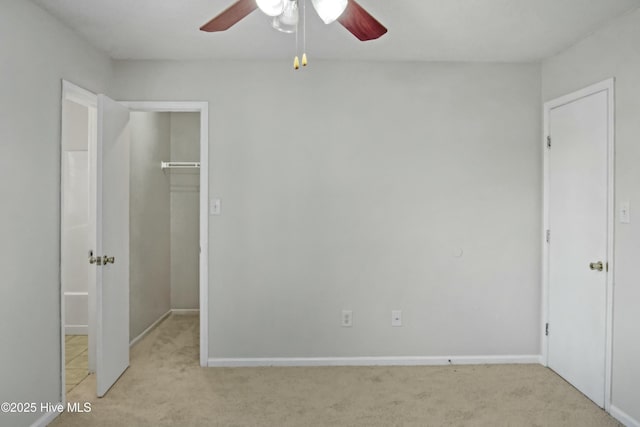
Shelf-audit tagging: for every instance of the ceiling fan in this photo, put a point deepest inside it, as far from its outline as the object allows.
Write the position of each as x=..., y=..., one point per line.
x=348, y=13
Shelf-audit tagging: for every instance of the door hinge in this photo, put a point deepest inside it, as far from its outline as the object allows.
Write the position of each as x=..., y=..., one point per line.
x=548, y=236
x=549, y=141
x=546, y=329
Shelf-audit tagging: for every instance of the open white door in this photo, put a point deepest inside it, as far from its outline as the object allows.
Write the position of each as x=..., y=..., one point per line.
x=111, y=256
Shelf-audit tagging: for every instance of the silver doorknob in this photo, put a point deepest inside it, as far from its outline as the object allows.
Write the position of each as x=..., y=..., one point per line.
x=108, y=260
x=596, y=266
x=95, y=260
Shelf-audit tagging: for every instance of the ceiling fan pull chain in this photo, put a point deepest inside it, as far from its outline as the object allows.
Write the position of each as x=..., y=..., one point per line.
x=304, y=33
x=296, y=61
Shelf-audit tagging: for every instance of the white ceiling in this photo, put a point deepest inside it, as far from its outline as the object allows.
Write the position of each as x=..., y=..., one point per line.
x=420, y=30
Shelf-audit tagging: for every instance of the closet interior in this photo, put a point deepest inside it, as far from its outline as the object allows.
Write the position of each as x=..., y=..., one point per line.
x=164, y=216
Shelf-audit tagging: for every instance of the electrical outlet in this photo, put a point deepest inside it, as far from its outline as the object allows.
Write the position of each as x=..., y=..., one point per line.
x=396, y=318
x=347, y=318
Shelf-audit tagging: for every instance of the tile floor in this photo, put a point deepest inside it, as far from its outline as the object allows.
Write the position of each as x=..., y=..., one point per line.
x=76, y=360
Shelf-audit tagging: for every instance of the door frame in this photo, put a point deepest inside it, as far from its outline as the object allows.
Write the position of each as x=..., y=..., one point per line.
x=607, y=86
x=74, y=93
x=203, y=109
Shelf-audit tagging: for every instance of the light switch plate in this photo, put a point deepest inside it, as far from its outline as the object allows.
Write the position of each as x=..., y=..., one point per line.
x=625, y=212
x=396, y=318
x=214, y=207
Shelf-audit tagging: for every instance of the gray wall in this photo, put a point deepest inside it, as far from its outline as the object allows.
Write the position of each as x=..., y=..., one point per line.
x=149, y=220
x=185, y=212
x=30, y=93
x=613, y=52
x=355, y=185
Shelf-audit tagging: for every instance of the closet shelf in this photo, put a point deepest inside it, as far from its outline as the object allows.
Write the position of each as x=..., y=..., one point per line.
x=179, y=165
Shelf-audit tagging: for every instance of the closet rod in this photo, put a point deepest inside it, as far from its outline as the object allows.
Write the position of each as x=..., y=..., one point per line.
x=179, y=165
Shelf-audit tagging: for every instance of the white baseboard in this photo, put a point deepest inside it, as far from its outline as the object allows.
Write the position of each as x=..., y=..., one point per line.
x=623, y=417
x=46, y=419
x=372, y=361
x=149, y=329
x=542, y=360
x=76, y=329
x=185, y=311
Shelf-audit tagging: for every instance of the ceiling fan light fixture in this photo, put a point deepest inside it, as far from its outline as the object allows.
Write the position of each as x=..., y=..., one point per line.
x=329, y=10
x=271, y=7
x=287, y=21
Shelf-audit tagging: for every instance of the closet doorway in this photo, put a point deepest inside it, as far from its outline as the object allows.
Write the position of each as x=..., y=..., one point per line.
x=80, y=133
x=180, y=168
x=164, y=217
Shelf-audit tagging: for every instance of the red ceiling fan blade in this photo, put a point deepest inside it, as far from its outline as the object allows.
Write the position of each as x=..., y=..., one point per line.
x=230, y=16
x=360, y=23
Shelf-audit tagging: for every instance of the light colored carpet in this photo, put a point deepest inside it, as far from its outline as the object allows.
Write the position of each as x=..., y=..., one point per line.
x=165, y=387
